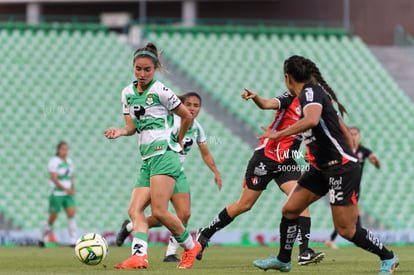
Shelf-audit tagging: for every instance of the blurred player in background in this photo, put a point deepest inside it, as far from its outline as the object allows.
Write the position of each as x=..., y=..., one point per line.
x=362, y=153
x=61, y=194
x=334, y=168
x=148, y=108
x=272, y=160
x=181, y=195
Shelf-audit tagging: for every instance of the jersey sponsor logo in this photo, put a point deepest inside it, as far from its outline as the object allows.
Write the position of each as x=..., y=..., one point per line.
x=260, y=170
x=309, y=94
x=137, y=111
x=150, y=99
x=188, y=142
x=335, y=183
x=335, y=196
x=291, y=236
x=308, y=136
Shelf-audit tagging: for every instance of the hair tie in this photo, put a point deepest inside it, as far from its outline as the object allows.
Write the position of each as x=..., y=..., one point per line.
x=146, y=53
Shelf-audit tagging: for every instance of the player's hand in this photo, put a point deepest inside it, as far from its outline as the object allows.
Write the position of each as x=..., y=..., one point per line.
x=306, y=157
x=112, y=133
x=269, y=134
x=70, y=192
x=247, y=94
x=218, y=181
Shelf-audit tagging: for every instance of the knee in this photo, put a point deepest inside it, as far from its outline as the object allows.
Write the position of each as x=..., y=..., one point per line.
x=159, y=214
x=290, y=212
x=132, y=213
x=184, y=216
x=243, y=206
x=347, y=232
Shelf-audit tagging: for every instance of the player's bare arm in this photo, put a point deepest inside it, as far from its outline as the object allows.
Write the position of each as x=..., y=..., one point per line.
x=312, y=115
x=128, y=130
x=209, y=161
x=186, y=120
x=262, y=103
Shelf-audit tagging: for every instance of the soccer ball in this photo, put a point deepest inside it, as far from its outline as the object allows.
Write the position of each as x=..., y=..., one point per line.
x=91, y=249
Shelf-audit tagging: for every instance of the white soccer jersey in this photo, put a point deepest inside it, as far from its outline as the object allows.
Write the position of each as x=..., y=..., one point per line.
x=195, y=134
x=64, y=171
x=152, y=116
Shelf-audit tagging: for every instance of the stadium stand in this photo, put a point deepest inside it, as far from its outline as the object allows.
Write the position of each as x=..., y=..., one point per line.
x=65, y=84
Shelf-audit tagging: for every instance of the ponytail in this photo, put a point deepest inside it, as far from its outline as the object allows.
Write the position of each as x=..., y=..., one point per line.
x=318, y=77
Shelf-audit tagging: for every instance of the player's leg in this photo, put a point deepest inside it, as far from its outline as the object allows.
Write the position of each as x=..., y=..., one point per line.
x=246, y=201
x=306, y=254
x=47, y=228
x=182, y=203
x=345, y=212
x=70, y=209
x=298, y=200
x=140, y=199
x=256, y=179
x=162, y=187
x=331, y=242
x=165, y=170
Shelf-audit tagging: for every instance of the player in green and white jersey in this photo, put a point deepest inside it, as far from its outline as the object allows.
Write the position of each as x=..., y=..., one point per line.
x=61, y=194
x=181, y=195
x=148, y=108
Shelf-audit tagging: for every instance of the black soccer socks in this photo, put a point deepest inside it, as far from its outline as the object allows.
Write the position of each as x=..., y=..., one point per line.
x=368, y=241
x=219, y=222
x=288, y=233
x=304, y=233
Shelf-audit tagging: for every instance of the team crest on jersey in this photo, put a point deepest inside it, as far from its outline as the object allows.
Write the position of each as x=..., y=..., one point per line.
x=150, y=99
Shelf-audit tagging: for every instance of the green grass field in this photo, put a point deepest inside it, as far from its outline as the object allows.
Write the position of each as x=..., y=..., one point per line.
x=217, y=260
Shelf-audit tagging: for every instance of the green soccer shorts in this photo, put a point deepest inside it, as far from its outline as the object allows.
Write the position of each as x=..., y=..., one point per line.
x=182, y=185
x=166, y=164
x=57, y=202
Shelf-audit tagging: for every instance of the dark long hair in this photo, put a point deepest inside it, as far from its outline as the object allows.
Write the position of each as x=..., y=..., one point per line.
x=304, y=70
x=59, y=145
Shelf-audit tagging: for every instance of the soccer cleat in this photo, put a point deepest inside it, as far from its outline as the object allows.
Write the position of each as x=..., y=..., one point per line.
x=134, y=262
x=389, y=266
x=41, y=244
x=273, y=263
x=122, y=234
x=331, y=244
x=310, y=257
x=171, y=258
x=189, y=256
x=203, y=241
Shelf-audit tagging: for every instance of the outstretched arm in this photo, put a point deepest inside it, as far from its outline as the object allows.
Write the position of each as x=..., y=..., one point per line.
x=128, y=130
x=209, y=161
x=265, y=104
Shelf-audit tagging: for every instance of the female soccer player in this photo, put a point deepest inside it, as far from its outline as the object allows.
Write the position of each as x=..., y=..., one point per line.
x=333, y=169
x=62, y=192
x=148, y=108
x=181, y=194
x=272, y=160
x=362, y=153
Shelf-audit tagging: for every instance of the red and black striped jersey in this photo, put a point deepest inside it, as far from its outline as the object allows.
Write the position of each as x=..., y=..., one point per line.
x=287, y=114
x=325, y=143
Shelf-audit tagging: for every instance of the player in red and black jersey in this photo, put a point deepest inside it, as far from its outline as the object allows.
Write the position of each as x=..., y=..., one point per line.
x=334, y=168
x=362, y=153
x=272, y=160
